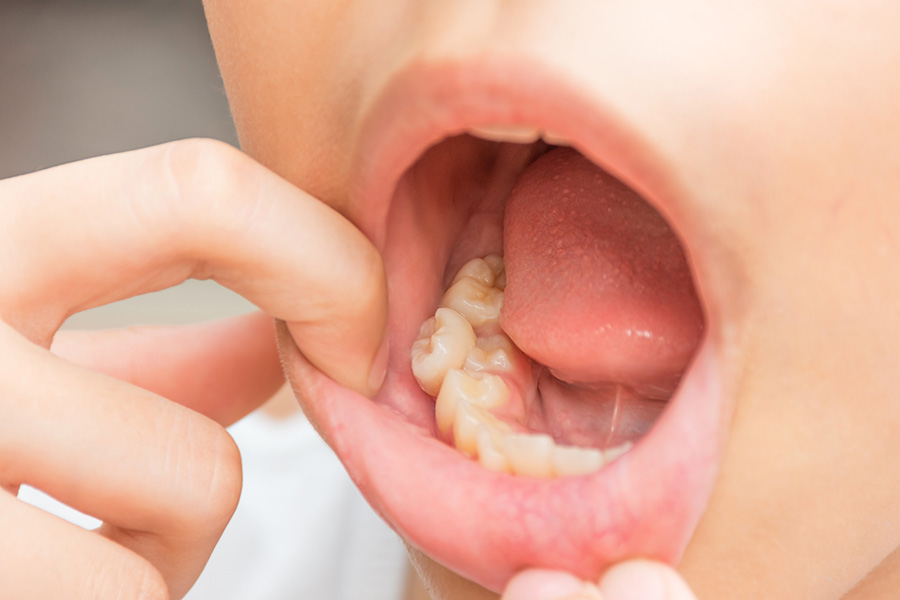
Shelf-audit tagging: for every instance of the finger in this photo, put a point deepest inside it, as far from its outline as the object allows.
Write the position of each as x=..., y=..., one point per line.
x=541, y=584
x=222, y=369
x=96, y=231
x=46, y=558
x=164, y=478
x=632, y=580
x=644, y=580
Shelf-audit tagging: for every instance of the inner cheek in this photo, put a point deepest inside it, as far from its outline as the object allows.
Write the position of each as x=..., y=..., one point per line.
x=448, y=209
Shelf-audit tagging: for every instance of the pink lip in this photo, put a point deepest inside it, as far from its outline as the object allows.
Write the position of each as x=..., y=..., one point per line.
x=484, y=525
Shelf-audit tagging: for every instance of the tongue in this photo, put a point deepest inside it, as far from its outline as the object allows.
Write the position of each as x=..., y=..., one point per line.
x=598, y=288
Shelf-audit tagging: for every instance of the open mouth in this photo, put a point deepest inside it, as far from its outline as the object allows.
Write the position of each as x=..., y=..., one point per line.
x=560, y=407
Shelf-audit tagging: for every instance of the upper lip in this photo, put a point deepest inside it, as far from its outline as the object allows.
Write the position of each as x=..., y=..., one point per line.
x=484, y=525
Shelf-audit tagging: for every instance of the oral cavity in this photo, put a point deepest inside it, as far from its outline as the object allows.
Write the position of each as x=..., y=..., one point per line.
x=464, y=359
x=599, y=320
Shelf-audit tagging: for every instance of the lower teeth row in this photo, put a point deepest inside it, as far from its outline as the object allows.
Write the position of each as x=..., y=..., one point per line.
x=459, y=356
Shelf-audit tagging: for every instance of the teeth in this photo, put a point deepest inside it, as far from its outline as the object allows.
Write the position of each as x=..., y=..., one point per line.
x=466, y=428
x=445, y=407
x=556, y=139
x=444, y=343
x=518, y=134
x=490, y=353
x=478, y=303
x=474, y=292
x=476, y=389
x=572, y=460
x=488, y=454
x=529, y=454
x=483, y=270
x=457, y=366
x=473, y=422
x=611, y=454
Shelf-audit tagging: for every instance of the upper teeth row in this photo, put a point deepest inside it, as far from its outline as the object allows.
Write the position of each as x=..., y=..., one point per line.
x=517, y=134
x=457, y=357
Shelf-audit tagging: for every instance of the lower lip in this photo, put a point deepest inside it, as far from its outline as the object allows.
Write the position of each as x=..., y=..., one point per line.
x=487, y=526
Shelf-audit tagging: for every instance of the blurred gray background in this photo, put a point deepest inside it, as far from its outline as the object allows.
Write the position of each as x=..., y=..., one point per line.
x=91, y=77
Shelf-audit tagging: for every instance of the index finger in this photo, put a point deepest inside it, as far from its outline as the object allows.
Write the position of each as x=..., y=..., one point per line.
x=96, y=231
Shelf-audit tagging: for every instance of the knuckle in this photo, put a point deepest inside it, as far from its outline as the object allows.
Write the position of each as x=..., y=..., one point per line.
x=207, y=178
x=199, y=164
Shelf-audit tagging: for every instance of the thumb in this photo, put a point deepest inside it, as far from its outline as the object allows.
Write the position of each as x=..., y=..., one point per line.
x=632, y=580
x=644, y=580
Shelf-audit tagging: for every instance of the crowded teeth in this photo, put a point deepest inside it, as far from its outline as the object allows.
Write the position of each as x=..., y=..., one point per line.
x=489, y=455
x=445, y=341
x=481, y=390
x=457, y=358
x=529, y=454
x=472, y=422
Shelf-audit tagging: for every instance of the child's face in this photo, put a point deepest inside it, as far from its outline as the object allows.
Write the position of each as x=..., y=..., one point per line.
x=766, y=133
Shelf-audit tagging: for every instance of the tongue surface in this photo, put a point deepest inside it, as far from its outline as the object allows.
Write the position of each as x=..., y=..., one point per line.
x=598, y=288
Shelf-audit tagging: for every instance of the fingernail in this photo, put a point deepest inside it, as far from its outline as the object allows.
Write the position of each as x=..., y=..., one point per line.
x=634, y=580
x=538, y=584
x=379, y=368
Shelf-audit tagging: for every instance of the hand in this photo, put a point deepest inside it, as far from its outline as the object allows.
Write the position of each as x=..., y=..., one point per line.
x=631, y=580
x=163, y=478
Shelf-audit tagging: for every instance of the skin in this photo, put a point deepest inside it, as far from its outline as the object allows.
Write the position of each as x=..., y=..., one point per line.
x=128, y=426
x=780, y=121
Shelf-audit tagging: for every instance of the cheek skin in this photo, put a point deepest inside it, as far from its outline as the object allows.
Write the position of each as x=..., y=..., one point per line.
x=808, y=482
x=278, y=61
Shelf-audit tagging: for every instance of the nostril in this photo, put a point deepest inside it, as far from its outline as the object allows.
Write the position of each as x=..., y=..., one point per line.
x=598, y=287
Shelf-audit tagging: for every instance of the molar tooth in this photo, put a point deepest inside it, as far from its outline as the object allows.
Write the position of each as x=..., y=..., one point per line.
x=474, y=389
x=472, y=423
x=573, y=460
x=491, y=352
x=444, y=342
x=519, y=134
x=445, y=406
x=500, y=282
x=488, y=455
x=483, y=270
x=529, y=454
x=498, y=267
x=466, y=428
x=474, y=300
x=611, y=454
